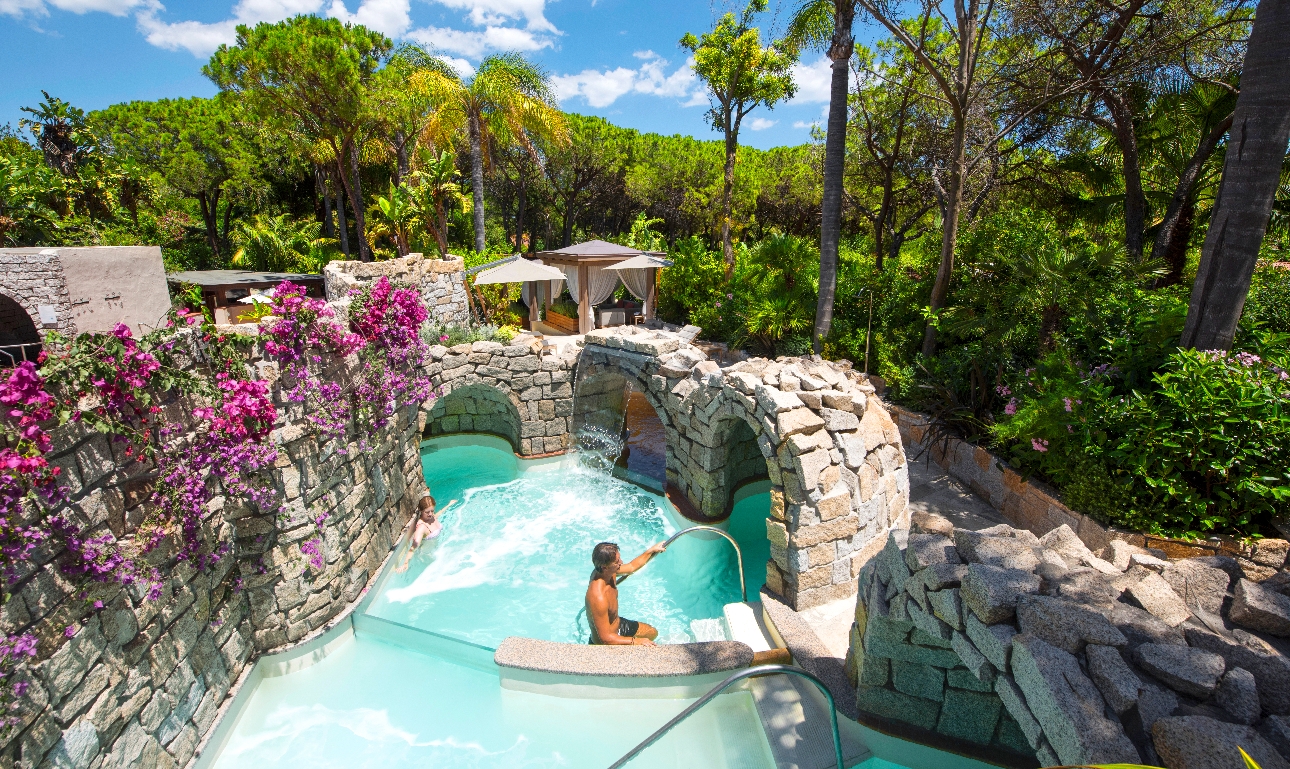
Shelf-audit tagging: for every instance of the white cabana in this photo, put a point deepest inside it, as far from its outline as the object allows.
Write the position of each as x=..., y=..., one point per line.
x=587, y=269
x=637, y=275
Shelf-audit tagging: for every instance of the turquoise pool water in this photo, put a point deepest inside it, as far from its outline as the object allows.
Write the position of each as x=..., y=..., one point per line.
x=515, y=553
x=370, y=704
x=748, y=526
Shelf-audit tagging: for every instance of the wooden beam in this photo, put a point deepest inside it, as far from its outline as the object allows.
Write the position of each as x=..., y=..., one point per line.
x=586, y=323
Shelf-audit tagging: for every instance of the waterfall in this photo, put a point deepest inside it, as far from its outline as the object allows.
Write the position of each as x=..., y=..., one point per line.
x=599, y=417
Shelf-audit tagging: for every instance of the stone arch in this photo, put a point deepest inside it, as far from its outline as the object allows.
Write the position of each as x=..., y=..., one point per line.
x=475, y=408
x=18, y=332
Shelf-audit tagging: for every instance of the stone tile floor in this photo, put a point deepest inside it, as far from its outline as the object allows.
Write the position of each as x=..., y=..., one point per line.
x=931, y=490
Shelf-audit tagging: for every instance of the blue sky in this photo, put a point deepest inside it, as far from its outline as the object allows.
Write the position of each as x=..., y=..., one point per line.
x=614, y=58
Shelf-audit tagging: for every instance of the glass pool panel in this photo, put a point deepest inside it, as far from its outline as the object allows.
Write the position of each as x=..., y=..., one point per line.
x=373, y=705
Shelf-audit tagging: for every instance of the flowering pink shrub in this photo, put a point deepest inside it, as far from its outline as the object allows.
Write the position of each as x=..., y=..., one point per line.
x=110, y=383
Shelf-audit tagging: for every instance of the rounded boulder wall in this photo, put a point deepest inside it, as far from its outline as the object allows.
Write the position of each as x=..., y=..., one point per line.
x=826, y=442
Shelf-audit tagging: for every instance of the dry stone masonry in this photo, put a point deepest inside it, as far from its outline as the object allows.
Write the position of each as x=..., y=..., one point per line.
x=140, y=683
x=1036, y=647
x=440, y=281
x=828, y=447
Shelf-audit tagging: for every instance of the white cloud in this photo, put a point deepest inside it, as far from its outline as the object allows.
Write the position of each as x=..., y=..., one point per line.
x=493, y=13
x=201, y=39
x=800, y=124
x=813, y=81
x=602, y=88
x=390, y=17
x=463, y=67
x=476, y=44
x=761, y=123
x=20, y=8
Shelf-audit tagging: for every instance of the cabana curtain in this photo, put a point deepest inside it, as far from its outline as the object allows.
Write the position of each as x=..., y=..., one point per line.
x=552, y=292
x=603, y=283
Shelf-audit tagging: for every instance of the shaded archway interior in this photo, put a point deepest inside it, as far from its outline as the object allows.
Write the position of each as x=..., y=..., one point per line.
x=475, y=408
x=17, y=331
x=645, y=453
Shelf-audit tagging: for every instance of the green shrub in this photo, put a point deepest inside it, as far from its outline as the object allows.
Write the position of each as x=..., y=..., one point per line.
x=1204, y=449
x=453, y=334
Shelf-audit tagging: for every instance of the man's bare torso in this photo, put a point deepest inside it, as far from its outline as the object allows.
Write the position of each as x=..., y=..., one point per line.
x=607, y=590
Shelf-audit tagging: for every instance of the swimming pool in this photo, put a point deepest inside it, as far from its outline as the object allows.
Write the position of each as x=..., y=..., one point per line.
x=410, y=680
x=416, y=686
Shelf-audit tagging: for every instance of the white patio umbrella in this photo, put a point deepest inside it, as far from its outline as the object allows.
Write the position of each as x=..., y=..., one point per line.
x=518, y=271
x=256, y=299
x=637, y=275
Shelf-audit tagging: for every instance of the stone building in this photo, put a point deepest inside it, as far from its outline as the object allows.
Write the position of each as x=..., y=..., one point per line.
x=75, y=290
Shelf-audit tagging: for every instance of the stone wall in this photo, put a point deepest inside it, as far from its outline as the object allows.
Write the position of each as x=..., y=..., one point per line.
x=832, y=454
x=539, y=388
x=442, y=282
x=475, y=409
x=32, y=277
x=1000, y=641
x=138, y=682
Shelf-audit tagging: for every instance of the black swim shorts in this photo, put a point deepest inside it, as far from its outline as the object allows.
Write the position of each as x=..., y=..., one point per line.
x=627, y=627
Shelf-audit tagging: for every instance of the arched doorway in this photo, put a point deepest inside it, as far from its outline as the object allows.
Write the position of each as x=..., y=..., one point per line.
x=644, y=456
x=476, y=408
x=19, y=338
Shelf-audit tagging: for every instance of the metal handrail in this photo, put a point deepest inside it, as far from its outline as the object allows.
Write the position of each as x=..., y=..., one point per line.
x=760, y=670
x=739, y=556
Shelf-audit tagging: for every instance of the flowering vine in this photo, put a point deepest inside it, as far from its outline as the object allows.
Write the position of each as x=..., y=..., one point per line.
x=178, y=403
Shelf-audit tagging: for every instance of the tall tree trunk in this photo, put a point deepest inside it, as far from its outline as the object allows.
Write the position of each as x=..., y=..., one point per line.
x=356, y=204
x=950, y=230
x=228, y=214
x=728, y=250
x=567, y=233
x=477, y=179
x=1251, y=173
x=1135, y=203
x=519, y=218
x=401, y=166
x=320, y=181
x=342, y=223
x=209, y=205
x=1176, y=229
x=834, y=160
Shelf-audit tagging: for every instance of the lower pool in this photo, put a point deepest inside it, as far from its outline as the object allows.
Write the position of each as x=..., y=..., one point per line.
x=370, y=704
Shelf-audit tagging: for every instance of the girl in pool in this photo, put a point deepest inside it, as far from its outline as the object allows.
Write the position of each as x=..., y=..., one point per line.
x=424, y=526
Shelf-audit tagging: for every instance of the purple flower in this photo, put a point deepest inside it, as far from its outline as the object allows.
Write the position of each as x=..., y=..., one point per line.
x=1068, y=403
x=70, y=631
x=1011, y=408
x=1003, y=390
x=1039, y=444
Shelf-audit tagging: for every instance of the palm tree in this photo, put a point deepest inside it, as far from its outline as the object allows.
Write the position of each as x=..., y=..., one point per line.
x=280, y=244
x=827, y=24
x=1251, y=174
x=508, y=101
x=435, y=189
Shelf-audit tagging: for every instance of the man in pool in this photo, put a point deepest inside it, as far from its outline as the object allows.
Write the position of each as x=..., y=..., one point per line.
x=602, y=598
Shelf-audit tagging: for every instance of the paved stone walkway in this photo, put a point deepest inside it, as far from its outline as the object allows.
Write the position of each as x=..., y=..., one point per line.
x=931, y=490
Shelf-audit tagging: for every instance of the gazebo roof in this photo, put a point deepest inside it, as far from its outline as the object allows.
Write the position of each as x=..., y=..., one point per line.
x=592, y=251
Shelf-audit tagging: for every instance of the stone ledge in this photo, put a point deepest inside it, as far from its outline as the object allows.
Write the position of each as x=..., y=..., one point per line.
x=690, y=659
